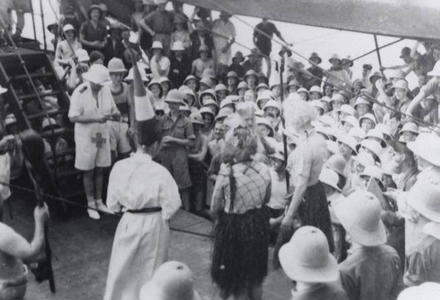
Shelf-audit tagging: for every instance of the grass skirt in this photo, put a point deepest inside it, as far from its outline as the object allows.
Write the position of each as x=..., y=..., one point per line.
x=240, y=250
x=313, y=211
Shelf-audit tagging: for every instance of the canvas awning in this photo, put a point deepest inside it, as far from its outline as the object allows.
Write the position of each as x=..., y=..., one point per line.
x=402, y=18
x=419, y=19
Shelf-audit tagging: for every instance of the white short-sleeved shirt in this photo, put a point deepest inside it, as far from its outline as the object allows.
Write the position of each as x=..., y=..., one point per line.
x=83, y=103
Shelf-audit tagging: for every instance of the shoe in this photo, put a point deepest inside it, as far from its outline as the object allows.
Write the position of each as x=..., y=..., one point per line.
x=93, y=214
x=102, y=207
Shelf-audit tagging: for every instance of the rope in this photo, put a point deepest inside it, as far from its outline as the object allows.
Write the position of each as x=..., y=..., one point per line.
x=73, y=203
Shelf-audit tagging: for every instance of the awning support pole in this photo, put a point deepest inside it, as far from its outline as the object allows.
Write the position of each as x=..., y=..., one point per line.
x=381, y=47
x=378, y=53
x=33, y=19
x=43, y=25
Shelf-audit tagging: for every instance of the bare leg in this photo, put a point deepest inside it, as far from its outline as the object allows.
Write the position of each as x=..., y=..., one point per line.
x=89, y=189
x=99, y=179
x=88, y=182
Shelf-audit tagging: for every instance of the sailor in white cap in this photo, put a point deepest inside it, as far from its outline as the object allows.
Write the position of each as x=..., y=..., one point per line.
x=142, y=238
x=91, y=106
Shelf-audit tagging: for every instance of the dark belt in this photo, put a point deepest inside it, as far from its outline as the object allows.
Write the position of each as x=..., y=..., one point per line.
x=146, y=210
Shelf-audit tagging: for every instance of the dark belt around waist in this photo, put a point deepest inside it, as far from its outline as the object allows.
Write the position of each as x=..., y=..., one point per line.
x=146, y=210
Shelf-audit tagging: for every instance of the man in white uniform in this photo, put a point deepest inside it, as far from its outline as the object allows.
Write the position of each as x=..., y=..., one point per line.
x=148, y=196
x=91, y=107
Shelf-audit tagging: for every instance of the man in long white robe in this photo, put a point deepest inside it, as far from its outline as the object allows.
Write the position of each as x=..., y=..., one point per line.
x=148, y=195
x=141, y=239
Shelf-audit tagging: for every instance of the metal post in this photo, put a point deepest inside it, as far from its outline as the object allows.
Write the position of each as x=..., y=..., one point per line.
x=378, y=54
x=282, y=64
x=378, y=48
x=33, y=20
x=43, y=26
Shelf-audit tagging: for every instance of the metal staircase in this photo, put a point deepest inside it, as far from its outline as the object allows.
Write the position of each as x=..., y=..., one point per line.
x=46, y=113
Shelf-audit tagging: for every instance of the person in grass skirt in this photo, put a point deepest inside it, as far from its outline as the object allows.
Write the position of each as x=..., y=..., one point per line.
x=243, y=187
x=305, y=163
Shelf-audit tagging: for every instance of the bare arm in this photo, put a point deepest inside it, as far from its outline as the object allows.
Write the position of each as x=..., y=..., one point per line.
x=15, y=245
x=218, y=196
x=181, y=142
x=85, y=119
x=278, y=34
x=413, y=53
x=416, y=102
x=298, y=194
x=202, y=154
x=146, y=27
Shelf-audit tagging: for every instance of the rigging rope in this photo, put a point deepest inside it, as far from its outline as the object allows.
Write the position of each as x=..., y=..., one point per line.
x=73, y=203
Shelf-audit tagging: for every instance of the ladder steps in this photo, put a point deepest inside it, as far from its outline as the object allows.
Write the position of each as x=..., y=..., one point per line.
x=31, y=96
x=55, y=132
x=44, y=114
x=69, y=173
x=33, y=76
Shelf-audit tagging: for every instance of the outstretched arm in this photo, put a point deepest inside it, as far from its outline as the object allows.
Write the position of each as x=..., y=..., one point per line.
x=15, y=245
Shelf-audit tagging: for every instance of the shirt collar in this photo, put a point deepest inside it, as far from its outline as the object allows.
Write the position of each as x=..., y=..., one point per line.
x=141, y=157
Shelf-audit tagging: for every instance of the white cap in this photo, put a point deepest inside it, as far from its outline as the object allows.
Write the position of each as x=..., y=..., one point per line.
x=330, y=178
x=68, y=27
x=82, y=55
x=97, y=74
x=360, y=214
x=157, y=45
x=372, y=171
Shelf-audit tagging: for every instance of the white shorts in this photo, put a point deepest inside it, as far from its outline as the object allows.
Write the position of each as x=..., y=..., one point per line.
x=223, y=58
x=88, y=156
x=119, y=141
